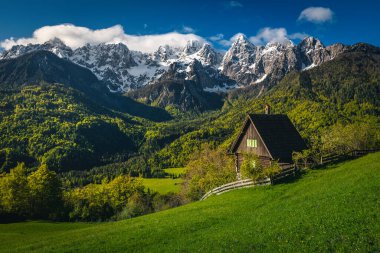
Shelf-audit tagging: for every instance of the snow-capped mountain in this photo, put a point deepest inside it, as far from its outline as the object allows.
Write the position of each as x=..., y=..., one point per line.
x=55, y=46
x=123, y=70
x=243, y=64
x=249, y=64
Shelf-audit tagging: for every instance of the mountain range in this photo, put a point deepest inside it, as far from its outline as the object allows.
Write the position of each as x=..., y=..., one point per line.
x=243, y=64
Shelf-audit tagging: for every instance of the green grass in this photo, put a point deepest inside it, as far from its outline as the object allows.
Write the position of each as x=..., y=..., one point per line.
x=335, y=209
x=163, y=185
x=175, y=171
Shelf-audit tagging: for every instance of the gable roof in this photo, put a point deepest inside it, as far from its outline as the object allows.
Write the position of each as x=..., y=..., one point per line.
x=279, y=135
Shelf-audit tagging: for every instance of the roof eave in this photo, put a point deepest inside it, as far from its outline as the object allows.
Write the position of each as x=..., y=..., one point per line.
x=233, y=146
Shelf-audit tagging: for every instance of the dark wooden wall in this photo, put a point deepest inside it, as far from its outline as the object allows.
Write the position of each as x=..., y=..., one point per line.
x=260, y=150
x=251, y=133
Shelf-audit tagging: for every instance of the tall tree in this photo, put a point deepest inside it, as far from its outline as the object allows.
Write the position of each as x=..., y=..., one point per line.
x=45, y=193
x=14, y=198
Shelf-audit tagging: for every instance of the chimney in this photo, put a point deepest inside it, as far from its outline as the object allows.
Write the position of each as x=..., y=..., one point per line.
x=267, y=109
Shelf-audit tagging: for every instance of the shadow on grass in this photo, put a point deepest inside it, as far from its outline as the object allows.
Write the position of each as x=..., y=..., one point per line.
x=334, y=164
x=290, y=179
x=10, y=218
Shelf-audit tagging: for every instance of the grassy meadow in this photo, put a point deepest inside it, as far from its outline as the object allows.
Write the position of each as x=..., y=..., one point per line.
x=333, y=209
x=163, y=185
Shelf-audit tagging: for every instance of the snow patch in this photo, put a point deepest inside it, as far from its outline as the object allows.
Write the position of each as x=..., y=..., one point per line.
x=224, y=88
x=268, y=50
x=309, y=67
x=261, y=91
x=261, y=79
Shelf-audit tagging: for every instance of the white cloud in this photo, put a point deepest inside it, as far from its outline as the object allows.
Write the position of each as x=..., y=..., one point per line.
x=299, y=36
x=188, y=29
x=316, y=15
x=225, y=43
x=76, y=36
x=268, y=34
x=233, y=4
x=217, y=37
x=263, y=36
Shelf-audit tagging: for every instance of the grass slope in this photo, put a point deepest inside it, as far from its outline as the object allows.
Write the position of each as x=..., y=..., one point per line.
x=328, y=210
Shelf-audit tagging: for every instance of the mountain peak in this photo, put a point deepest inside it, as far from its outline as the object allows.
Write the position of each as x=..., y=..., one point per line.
x=206, y=46
x=192, y=46
x=311, y=43
x=55, y=42
x=208, y=55
x=277, y=44
x=241, y=38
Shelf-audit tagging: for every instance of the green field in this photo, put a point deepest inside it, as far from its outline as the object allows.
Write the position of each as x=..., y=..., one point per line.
x=335, y=209
x=163, y=185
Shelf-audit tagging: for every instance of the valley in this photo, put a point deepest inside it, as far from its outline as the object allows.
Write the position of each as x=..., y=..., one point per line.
x=189, y=126
x=110, y=142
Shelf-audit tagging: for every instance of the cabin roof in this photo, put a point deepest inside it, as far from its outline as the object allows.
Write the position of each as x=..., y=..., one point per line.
x=277, y=132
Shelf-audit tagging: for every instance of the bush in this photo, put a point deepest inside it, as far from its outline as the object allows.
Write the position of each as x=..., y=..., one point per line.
x=137, y=205
x=302, y=159
x=340, y=139
x=163, y=202
x=103, y=201
x=272, y=170
x=208, y=169
x=251, y=167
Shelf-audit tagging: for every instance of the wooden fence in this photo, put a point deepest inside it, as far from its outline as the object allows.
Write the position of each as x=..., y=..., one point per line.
x=331, y=158
x=286, y=171
x=236, y=185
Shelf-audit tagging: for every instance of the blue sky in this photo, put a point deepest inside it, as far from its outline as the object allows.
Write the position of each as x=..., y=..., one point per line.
x=216, y=21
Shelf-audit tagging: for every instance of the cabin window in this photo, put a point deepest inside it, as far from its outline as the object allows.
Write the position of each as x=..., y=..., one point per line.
x=252, y=143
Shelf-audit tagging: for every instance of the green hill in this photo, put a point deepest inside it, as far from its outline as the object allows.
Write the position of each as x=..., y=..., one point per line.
x=342, y=91
x=334, y=209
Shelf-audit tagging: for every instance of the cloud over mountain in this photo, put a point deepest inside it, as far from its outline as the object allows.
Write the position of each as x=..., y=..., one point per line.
x=268, y=34
x=76, y=36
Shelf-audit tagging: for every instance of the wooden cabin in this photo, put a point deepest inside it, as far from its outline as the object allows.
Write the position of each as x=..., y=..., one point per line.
x=270, y=137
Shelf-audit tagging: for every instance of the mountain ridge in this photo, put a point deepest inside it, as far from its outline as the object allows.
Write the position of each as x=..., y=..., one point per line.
x=197, y=69
x=243, y=64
